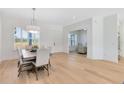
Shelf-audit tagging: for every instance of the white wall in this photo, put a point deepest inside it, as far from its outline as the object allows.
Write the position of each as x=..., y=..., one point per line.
x=97, y=42
x=49, y=35
x=111, y=38
x=52, y=35
x=122, y=39
x=105, y=38
x=86, y=24
x=0, y=39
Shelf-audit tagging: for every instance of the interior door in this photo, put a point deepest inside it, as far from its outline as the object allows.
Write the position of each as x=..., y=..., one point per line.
x=110, y=38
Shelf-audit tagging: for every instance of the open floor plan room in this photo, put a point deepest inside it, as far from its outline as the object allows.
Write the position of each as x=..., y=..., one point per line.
x=62, y=45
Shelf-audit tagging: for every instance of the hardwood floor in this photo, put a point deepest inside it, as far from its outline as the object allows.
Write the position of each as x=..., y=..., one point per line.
x=73, y=68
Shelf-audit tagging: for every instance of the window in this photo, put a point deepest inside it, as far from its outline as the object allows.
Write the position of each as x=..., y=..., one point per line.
x=24, y=39
x=72, y=39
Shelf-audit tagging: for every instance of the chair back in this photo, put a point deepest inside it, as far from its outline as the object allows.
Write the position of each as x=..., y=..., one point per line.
x=42, y=57
x=19, y=53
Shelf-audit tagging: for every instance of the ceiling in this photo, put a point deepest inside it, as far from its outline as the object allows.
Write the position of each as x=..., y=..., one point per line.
x=61, y=16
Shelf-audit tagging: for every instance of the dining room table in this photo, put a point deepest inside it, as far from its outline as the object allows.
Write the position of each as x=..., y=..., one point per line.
x=28, y=54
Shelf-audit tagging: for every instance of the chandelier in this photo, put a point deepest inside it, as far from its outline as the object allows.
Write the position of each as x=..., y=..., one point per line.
x=33, y=28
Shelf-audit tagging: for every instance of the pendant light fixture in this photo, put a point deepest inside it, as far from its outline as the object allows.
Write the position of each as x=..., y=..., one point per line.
x=33, y=28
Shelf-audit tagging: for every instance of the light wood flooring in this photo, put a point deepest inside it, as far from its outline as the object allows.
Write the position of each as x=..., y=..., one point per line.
x=72, y=68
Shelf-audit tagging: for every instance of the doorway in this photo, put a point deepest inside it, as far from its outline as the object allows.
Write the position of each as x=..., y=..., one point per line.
x=78, y=42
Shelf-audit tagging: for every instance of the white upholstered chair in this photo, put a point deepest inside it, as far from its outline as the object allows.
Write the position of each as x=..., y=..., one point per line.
x=19, y=55
x=42, y=60
x=23, y=65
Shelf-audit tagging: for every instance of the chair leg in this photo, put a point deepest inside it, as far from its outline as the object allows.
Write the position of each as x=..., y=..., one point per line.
x=28, y=73
x=49, y=63
x=48, y=69
x=19, y=71
x=18, y=63
x=36, y=73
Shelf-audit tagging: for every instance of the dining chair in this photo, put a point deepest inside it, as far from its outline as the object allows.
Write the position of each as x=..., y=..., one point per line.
x=42, y=61
x=24, y=65
x=19, y=55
